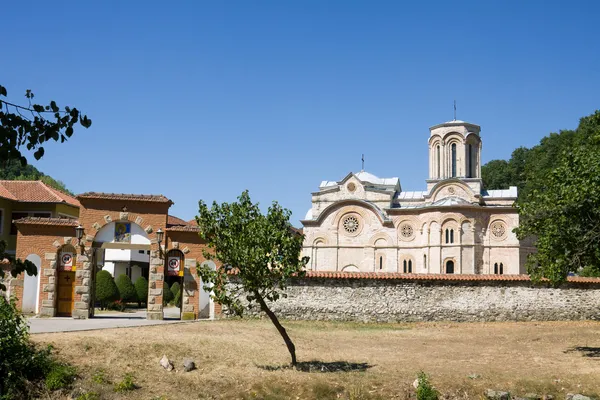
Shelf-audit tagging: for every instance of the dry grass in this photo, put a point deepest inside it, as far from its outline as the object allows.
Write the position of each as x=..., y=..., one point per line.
x=242, y=359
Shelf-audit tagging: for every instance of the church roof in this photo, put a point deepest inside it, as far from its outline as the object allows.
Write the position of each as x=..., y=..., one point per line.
x=419, y=194
x=502, y=193
x=449, y=202
x=366, y=177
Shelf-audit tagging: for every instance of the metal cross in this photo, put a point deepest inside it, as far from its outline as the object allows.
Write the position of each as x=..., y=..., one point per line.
x=363, y=162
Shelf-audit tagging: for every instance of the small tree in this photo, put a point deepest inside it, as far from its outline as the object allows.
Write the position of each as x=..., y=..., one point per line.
x=106, y=289
x=263, y=249
x=141, y=290
x=167, y=294
x=175, y=288
x=127, y=291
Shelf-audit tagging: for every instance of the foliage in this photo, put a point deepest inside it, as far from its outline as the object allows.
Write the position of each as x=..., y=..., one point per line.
x=167, y=294
x=31, y=126
x=127, y=291
x=126, y=385
x=562, y=210
x=22, y=364
x=141, y=290
x=14, y=171
x=175, y=287
x=88, y=396
x=424, y=389
x=60, y=376
x=263, y=250
x=100, y=377
x=590, y=271
x=116, y=306
x=106, y=289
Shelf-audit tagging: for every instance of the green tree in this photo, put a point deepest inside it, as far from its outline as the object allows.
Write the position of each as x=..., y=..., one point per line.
x=562, y=210
x=262, y=249
x=30, y=127
x=106, y=289
x=127, y=292
x=141, y=289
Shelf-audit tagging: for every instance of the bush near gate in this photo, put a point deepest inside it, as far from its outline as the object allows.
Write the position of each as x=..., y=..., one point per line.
x=175, y=288
x=127, y=291
x=106, y=289
x=24, y=368
x=141, y=289
x=167, y=294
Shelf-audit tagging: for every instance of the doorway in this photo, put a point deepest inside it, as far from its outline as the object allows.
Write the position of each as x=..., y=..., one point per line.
x=66, y=293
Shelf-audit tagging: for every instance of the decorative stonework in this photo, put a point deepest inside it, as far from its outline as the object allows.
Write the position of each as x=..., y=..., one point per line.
x=175, y=245
x=123, y=216
x=139, y=220
x=108, y=219
x=148, y=229
x=498, y=230
x=351, y=187
x=185, y=250
x=407, y=232
x=96, y=226
x=351, y=224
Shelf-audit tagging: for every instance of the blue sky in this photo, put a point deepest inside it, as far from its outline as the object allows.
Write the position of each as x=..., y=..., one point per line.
x=201, y=100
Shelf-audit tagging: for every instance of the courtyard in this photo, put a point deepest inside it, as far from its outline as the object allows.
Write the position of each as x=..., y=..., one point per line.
x=247, y=359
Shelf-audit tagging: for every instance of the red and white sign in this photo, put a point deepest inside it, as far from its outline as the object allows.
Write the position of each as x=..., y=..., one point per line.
x=173, y=266
x=66, y=261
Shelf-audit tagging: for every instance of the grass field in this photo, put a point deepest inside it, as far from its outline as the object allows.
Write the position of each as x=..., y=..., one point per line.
x=246, y=359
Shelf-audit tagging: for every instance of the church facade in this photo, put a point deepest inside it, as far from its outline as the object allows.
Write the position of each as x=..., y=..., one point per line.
x=363, y=223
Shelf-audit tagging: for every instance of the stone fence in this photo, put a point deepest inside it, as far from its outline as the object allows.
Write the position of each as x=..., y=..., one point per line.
x=376, y=297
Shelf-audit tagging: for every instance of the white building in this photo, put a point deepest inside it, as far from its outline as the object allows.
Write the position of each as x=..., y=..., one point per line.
x=369, y=224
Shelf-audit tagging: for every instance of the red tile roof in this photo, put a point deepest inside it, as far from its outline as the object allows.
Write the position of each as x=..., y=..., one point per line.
x=155, y=198
x=47, y=221
x=34, y=192
x=173, y=220
x=429, y=277
x=179, y=228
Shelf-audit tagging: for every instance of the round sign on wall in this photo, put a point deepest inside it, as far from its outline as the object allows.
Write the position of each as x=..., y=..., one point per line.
x=173, y=266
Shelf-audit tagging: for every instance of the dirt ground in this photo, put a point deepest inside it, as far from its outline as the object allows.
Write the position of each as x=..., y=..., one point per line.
x=246, y=359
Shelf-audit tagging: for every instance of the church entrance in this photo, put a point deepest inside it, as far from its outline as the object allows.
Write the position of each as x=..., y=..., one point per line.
x=66, y=293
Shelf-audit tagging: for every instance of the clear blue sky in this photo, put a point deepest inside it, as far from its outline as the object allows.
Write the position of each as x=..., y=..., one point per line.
x=201, y=100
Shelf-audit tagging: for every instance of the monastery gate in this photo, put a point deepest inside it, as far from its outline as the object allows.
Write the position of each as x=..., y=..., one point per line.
x=67, y=266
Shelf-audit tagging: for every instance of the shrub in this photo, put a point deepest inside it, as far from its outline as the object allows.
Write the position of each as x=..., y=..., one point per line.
x=126, y=384
x=22, y=365
x=177, y=299
x=106, y=289
x=424, y=390
x=167, y=294
x=127, y=291
x=116, y=306
x=175, y=288
x=60, y=376
x=141, y=289
x=100, y=377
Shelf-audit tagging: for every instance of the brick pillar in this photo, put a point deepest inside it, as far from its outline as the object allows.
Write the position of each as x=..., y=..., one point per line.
x=83, y=285
x=156, y=282
x=190, y=288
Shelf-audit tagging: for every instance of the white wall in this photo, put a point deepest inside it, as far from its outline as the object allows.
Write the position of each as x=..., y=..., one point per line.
x=107, y=234
x=31, y=286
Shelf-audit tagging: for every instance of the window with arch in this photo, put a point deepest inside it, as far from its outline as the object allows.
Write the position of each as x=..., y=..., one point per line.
x=380, y=262
x=407, y=266
x=498, y=268
x=425, y=261
x=453, y=147
x=450, y=267
x=439, y=173
x=469, y=160
x=449, y=236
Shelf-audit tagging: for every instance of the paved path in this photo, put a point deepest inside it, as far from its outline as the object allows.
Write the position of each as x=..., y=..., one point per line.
x=100, y=321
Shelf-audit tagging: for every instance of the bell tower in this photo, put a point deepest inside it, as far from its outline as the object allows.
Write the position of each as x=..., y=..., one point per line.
x=455, y=153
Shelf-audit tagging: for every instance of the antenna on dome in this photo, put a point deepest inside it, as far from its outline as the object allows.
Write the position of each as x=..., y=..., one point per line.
x=454, y=110
x=363, y=162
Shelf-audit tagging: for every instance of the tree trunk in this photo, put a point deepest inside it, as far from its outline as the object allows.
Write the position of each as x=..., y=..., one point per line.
x=281, y=329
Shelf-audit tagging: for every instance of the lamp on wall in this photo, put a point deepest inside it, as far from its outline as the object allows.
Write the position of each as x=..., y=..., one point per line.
x=79, y=236
x=160, y=235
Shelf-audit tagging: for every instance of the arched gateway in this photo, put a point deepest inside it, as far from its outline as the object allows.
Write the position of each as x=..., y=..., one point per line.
x=120, y=233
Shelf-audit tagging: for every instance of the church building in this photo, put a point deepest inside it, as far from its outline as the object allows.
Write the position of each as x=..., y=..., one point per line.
x=363, y=223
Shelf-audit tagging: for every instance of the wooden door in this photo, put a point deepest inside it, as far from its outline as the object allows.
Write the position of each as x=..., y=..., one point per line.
x=66, y=293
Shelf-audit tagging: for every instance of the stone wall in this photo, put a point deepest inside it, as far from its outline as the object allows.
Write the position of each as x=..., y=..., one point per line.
x=407, y=300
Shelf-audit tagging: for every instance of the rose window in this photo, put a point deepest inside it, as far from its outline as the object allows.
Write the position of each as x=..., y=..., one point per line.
x=406, y=230
x=498, y=230
x=351, y=224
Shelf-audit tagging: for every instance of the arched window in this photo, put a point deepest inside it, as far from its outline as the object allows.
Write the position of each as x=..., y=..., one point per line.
x=439, y=174
x=501, y=269
x=404, y=265
x=424, y=261
x=470, y=161
x=451, y=235
x=410, y=266
x=380, y=262
x=454, y=160
x=447, y=236
x=495, y=268
x=449, y=267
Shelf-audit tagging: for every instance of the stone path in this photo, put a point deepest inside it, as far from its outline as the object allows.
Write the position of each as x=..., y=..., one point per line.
x=100, y=321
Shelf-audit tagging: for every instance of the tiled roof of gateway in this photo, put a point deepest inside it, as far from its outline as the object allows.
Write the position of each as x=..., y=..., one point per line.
x=34, y=192
x=434, y=277
x=179, y=225
x=173, y=220
x=156, y=198
x=47, y=221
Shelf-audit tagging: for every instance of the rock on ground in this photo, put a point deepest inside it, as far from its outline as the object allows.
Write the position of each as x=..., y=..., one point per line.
x=188, y=365
x=166, y=363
